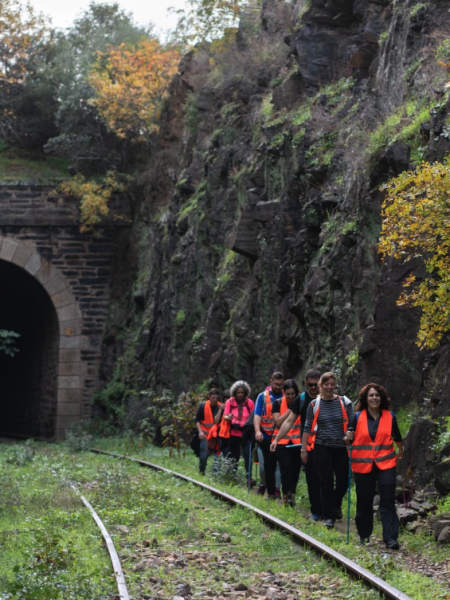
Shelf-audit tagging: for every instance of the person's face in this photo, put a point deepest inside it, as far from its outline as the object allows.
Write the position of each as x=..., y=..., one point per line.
x=214, y=399
x=277, y=385
x=327, y=388
x=240, y=394
x=290, y=395
x=373, y=399
x=312, y=383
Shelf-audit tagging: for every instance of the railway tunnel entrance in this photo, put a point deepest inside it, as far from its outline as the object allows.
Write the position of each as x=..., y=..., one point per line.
x=28, y=384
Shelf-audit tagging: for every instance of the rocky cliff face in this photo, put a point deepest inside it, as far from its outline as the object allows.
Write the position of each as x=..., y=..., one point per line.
x=255, y=239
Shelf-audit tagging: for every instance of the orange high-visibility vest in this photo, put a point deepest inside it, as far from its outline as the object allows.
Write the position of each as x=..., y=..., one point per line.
x=316, y=410
x=294, y=433
x=208, y=422
x=381, y=451
x=267, y=422
x=225, y=429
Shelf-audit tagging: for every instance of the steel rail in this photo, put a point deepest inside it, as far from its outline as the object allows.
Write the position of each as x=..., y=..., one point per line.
x=118, y=572
x=350, y=566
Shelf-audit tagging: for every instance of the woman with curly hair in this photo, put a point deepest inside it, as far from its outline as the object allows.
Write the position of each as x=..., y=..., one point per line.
x=236, y=411
x=371, y=432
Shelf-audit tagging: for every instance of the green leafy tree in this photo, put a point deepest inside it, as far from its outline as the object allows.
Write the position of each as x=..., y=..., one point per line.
x=416, y=223
x=206, y=20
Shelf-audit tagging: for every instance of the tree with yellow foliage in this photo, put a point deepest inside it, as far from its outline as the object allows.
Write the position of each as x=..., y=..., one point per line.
x=416, y=223
x=130, y=84
x=93, y=196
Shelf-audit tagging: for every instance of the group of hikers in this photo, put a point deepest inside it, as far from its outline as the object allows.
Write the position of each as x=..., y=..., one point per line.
x=317, y=429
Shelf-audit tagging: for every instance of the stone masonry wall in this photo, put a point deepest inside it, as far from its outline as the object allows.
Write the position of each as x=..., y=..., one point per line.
x=78, y=281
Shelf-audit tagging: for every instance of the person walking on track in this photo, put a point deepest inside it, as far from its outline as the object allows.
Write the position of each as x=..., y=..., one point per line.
x=236, y=413
x=204, y=421
x=326, y=424
x=264, y=426
x=372, y=433
x=288, y=449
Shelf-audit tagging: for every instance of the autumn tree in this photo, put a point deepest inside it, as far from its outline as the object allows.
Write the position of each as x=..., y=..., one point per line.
x=416, y=223
x=130, y=83
x=82, y=137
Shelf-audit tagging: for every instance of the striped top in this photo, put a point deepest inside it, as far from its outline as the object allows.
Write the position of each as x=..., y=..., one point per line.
x=330, y=427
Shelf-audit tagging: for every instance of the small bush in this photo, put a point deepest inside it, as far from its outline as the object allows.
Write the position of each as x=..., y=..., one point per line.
x=20, y=455
x=443, y=51
x=78, y=439
x=226, y=471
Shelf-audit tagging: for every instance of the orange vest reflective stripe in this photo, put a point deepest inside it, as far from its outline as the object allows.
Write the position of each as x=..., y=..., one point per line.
x=267, y=422
x=381, y=451
x=294, y=433
x=316, y=410
x=208, y=421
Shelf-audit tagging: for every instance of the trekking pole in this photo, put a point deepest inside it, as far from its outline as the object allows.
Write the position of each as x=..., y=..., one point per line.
x=349, y=494
x=249, y=478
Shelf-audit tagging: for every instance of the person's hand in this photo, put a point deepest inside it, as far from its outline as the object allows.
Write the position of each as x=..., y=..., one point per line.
x=349, y=437
x=273, y=446
x=228, y=417
x=201, y=435
x=400, y=455
x=259, y=436
x=304, y=456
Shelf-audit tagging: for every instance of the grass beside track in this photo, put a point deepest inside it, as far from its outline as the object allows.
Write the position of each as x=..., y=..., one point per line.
x=50, y=547
x=169, y=535
x=408, y=570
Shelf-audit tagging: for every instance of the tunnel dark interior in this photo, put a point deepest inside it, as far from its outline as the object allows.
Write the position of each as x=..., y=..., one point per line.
x=29, y=379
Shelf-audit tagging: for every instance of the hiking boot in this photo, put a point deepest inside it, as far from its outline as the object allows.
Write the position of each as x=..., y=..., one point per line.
x=364, y=541
x=392, y=545
x=329, y=523
x=277, y=493
x=251, y=483
x=315, y=518
x=261, y=490
x=338, y=514
x=288, y=499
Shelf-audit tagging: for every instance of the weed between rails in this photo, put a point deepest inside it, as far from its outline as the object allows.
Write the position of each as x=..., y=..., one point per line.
x=405, y=570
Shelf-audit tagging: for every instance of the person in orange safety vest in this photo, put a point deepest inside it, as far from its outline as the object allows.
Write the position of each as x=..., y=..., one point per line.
x=288, y=447
x=204, y=421
x=372, y=433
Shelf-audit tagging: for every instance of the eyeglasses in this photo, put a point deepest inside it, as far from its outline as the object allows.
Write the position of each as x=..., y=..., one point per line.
x=312, y=384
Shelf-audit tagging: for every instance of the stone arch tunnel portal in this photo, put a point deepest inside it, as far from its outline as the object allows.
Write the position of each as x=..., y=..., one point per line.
x=29, y=380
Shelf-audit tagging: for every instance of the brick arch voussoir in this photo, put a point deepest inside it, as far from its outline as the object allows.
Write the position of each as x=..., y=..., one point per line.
x=70, y=384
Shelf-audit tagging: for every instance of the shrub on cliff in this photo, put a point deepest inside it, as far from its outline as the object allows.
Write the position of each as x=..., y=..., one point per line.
x=416, y=223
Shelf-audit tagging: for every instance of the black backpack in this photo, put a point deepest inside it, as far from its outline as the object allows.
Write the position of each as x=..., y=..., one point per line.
x=248, y=431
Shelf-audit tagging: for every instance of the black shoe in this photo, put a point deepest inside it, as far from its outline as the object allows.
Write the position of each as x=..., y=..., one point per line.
x=392, y=545
x=338, y=514
x=329, y=523
x=261, y=490
x=364, y=541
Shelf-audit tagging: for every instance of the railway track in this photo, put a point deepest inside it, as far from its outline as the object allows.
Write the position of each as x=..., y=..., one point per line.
x=355, y=570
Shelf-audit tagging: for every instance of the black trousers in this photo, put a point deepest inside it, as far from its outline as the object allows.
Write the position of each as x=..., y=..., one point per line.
x=332, y=463
x=365, y=492
x=233, y=450
x=313, y=482
x=288, y=458
x=270, y=466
